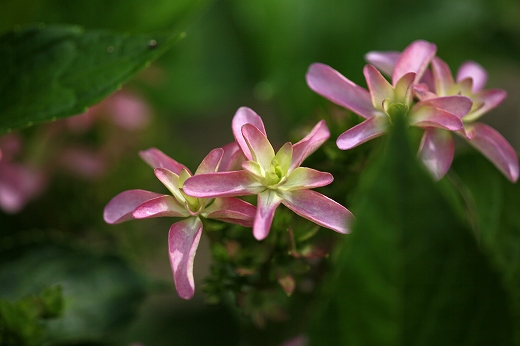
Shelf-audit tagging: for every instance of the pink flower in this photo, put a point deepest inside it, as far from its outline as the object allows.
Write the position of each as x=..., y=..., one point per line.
x=437, y=147
x=19, y=182
x=276, y=178
x=184, y=236
x=381, y=102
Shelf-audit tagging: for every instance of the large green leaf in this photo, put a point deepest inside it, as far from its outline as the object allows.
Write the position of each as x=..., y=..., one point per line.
x=52, y=72
x=411, y=272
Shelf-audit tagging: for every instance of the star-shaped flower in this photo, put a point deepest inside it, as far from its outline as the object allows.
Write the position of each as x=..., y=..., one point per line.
x=184, y=236
x=276, y=178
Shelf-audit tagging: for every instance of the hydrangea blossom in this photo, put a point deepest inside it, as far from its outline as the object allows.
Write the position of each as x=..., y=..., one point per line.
x=276, y=178
x=184, y=236
x=437, y=147
x=382, y=100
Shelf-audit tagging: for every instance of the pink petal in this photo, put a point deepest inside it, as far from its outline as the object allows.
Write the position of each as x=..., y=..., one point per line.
x=330, y=84
x=268, y=201
x=232, y=157
x=383, y=61
x=423, y=115
x=423, y=92
x=244, y=116
x=19, y=184
x=490, y=99
x=404, y=89
x=233, y=210
x=128, y=111
x=380, y=88
x=211, y=162
x=319, y=209
x=477, y=73
x=157, y=159
x=183, y=240
x=301, y=150
x=436, y=151
x=442, y=77
x=259, y=146
x=415, y=58
x=306, y=178
x=457, y=105
x=120, y=207
x=367, y=130
x=160, y=206
x=222, y=184
x=495, y=147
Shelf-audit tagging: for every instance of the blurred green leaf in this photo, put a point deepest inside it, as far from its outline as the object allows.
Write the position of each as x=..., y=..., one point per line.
x=57, y=71
x=411, y=272
x=100, y=293
x=493, y=203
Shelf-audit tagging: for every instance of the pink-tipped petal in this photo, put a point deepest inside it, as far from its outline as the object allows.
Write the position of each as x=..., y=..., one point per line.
x=259, y=146
x=383, y=61
x=314, y=139
x=211, y=162
x=457, y=105
x=232, y=157
x=222, y=184
x=160, y=206
x=423, y=93
x=489, y=99
x=120, y=207
x=367, y=130
x=233, y=210
x=319, y=209
x=380, y=89
x=436, y=151
x=244, y=116
x=306, y=178
x=171, y=181
x=268, y=201
x=415, y=58
x=183, y=240
x=423, y=115
x=496, y=148
x=477, y=73
x=330, y=84
x=157, y=159
x=442, y=77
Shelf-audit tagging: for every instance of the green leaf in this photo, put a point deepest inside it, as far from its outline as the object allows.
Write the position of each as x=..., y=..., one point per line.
x=411, y=272
x=53, y=72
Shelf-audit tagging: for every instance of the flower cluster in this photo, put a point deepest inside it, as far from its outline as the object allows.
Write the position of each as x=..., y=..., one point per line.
x=424, y=89
x=276, y=178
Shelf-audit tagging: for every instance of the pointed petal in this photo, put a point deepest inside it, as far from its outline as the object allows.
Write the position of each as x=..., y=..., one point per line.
x=261, y=149
x=367, y=130
x=157, y=159
x=171, y=181
x=496, y=148
x=415, y=58
x=477, y=73
x=380, y=89
x=211, y=162
x=232, y=157
x=490, y=98
x=314, y=139
x=319, y=209
x=233, y=210
x=383, y=61
x=423, y=92
x=268, y=201
x=120, y=207
x=442, y=77
x=160, y=206
x=306, y=178
x=244, y=116
x=457, y=105
x=183, y=240
x=404, y=89
x=424, y=115
x=222, y=184
x=330, y=84
x=436, y=151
